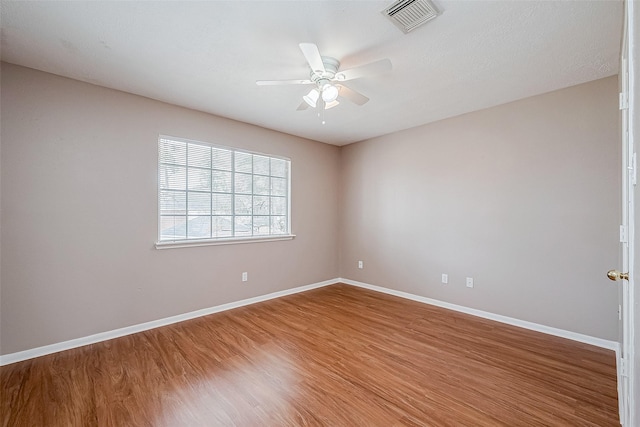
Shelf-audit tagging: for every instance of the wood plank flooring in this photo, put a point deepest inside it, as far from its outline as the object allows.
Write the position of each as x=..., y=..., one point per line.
x=334, y=356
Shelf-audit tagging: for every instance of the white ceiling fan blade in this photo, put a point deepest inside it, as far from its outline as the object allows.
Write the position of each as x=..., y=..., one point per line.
x=302, y=106
x=377, y=67
x=282, y=82
x=312, y=54
x=352, y=95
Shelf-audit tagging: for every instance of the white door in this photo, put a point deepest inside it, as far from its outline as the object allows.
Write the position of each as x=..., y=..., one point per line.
x=625, y=275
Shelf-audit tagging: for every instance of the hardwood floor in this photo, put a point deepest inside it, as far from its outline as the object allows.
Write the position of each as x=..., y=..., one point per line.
x=334, y=356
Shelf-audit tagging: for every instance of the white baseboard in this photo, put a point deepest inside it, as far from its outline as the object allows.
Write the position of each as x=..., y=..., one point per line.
x=598, y=342
x=104, y=336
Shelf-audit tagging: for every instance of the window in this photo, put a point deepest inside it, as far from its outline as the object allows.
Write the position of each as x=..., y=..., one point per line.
x=208, y=193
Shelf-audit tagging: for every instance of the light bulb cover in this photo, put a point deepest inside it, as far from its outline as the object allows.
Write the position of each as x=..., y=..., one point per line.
x=312, y=97
x=331, y=104
x=329, y=93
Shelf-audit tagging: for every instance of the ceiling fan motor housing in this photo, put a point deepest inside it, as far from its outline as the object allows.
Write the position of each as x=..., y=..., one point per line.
x=323, y=78
x=331, y=66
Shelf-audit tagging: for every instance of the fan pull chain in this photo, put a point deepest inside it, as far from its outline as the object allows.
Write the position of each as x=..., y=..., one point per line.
x=322, y=108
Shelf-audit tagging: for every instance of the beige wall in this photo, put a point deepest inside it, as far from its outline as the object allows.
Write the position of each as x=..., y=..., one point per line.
x=523, y=197
x=79, y=199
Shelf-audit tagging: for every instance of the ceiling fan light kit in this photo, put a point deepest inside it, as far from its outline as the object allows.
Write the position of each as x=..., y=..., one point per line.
x=324, y=74
x=329, y=92
x=312, y=97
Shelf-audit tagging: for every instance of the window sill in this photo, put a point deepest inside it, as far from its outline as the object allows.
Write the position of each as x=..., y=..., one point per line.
x=216, y=242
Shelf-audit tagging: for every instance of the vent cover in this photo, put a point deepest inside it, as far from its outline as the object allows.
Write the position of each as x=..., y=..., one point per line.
x=410, y=14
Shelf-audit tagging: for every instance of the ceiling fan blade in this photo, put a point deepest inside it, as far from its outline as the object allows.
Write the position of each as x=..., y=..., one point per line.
x=352, y=95
x=312, y=54
x=302, y=106
x=282, y=82
x=376, y=67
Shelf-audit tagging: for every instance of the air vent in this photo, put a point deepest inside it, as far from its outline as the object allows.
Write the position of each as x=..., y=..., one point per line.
x=410, y=14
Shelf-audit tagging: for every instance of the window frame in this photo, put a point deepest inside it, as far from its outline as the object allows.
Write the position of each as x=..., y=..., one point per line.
x=209, y=241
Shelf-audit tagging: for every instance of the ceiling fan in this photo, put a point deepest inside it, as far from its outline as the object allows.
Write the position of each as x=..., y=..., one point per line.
x=327, y=78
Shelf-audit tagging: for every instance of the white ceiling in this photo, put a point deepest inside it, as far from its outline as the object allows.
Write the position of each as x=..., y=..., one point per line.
x=207, y=55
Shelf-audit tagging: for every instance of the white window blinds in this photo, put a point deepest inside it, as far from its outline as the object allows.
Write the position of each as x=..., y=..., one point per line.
x=208, y=192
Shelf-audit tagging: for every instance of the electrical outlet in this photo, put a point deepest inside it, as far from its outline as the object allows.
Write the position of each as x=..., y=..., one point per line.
x=445, y=278
x=469, y=282
x=360, y=265
x=245, y=276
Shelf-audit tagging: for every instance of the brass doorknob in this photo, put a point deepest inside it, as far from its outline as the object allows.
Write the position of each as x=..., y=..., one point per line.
x=616, y=275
